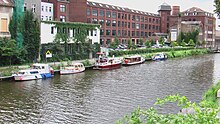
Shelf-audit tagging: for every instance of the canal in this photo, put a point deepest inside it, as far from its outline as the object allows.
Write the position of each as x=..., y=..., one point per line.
x=102, y=97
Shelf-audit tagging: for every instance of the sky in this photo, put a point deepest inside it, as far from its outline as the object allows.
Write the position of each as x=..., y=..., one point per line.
x=152, y=5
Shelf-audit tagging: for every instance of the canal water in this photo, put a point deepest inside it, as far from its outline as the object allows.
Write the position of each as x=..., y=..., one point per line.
x=102, y=97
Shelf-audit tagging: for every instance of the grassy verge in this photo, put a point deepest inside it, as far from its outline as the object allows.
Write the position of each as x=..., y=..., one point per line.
x=210, y=97
x=8, y=71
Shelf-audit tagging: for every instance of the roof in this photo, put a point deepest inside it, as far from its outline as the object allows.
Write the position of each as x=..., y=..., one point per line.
x=194, y=9
x=6, y=3
x=125, y=9
x=164, y=6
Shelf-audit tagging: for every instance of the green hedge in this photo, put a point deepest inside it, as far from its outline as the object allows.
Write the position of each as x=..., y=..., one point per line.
x=147, y=50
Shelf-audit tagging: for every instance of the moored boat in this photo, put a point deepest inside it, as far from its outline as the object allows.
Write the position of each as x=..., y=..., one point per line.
x=72, y=69
x=38, y=71
x=133, y=60
x=159, y=56
x=104, y=62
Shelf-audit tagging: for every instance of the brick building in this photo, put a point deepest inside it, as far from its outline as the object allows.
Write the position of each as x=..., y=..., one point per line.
x=6, y=8
x=193, y=15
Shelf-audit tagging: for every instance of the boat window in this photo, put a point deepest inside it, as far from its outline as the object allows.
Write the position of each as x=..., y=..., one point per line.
x=37, y=67
x=34, y=72
x=42, y=67
x=21, y=72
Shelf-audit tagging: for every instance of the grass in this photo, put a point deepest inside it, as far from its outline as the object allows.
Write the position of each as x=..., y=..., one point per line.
x=210, y=97
x=8, y=71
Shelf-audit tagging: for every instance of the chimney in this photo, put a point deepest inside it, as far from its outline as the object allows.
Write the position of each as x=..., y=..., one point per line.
x=175, y=10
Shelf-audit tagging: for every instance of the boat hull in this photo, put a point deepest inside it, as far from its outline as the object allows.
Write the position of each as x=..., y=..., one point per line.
x=32, y=77
x=66, y=72
x=133, y=63
x=107, y=67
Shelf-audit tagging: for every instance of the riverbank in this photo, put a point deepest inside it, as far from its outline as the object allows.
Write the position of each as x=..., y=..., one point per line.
x=8, y=71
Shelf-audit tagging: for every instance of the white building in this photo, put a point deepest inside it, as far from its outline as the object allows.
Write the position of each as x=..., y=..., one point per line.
x=46, y=11
x=49, y=31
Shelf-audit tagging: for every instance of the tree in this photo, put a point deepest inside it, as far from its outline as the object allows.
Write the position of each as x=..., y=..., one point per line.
x=191, y=42
x=130, y=45
x=161, y=41
x=148, y=44
x=141, y=42
x=217, y=7
x=183, y=43
x=174, y=43
x=114, y=44
x=31, y=34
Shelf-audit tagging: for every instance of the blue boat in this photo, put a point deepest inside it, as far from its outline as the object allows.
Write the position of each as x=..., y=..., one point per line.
x=159, y=56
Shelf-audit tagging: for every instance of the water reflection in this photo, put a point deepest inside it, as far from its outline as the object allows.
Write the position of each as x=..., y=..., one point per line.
x=105, y=96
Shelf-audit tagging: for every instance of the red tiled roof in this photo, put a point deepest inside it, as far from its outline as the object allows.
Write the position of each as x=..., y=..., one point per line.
x=6, y=3
x=112, y=7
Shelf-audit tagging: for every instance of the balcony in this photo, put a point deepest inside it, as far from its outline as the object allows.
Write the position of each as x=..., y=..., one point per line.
x=5, y=34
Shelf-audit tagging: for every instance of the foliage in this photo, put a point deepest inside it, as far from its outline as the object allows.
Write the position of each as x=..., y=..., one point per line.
x=31, y=33
x=210, y=97
x=148, y=43
x=189, y=35
x=151, y=116
x=183, y=43
x=9, y=53
x=141, y=41
x=87, y=63
x=191, y=43
x=174, y=44
x=161, y=41
x=130, y=44
x=217, y=7
x=114, y=44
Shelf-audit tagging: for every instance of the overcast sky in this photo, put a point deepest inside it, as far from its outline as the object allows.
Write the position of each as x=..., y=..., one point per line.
x=152, y=5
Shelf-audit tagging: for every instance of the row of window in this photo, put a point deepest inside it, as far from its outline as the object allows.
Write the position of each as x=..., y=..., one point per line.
x=110, y=14
x=74, y=31
x=46, y=9
x=46, y=18
x=125, y=33
x=124, y=24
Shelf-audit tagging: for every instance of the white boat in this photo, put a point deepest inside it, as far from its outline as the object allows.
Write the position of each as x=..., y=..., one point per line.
x=37, y=71
x=72, y=69
x=104, y=62
x=133, y=60
x=159, y=56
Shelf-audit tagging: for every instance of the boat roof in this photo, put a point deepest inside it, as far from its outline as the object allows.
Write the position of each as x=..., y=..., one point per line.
x=40, y=64
x=77, y=64
x=135, y=56
x=28, y=70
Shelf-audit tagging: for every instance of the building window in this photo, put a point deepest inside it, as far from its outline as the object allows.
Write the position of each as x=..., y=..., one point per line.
x=119, y=32
x=119, y=15
x=42, y=18
x=119, y=24
x=88, y=20
x=113, y=32
x=33, y=8
x=137, y=26
x=102, y=13
x=95, y=21
x=133, y=17
x=129, y=24
x=62, y=8
x=114, y=23
x=50, y=18
x=62, y=18
x=108, y=32
x=95, y=12
x=50, y=9
x=25, y=6
x=133, y=25
x=4, y=25
x=137, y=33
x=142, y=19
x=133, y=33
x=108, y=23
x=146, y=26
x=88, y=12
x=46, y=8
x=114, y=15
x=42, y=8
x=101, y=21
x=146, y=19
x=142, y=26
x=52, y=30
x=102, y=32
x=108, y=14
x=138, y=18
x=46, y=18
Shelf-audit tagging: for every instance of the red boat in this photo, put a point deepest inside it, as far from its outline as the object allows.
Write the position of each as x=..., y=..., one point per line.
x=103, y=62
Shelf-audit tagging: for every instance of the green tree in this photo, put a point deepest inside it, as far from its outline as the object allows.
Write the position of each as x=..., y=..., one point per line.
x=130, y=45
x=174, y=43
x=114, y=44
x=148, y=44
x=191, y=43
x=161, y=41
x=141, y=41
x=183, y=43
x=217, y=7
x=31, y=34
